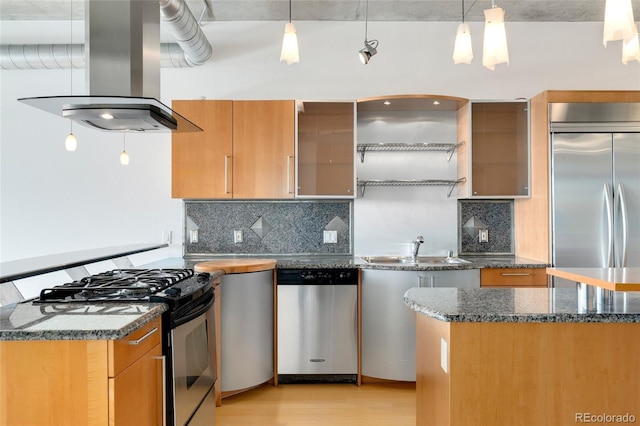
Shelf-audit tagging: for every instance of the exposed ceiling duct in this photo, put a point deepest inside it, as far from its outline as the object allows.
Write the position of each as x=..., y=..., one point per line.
x=62, y=56
x=122, y=54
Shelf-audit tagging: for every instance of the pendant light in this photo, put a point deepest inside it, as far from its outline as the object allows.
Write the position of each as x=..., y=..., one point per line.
x=495, y=49
x=71, y=143
x=462, y=50
x=618, y=21
x=631, y=48
x=370, y=46
x=124, y=157
x=289, y=52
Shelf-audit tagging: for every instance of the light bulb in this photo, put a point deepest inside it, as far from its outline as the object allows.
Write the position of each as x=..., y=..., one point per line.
x=124, y=158
x=71, y=143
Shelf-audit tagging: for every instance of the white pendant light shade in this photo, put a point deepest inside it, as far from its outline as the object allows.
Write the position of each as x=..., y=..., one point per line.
x=631, y=49
x=124, y=158
x=462, y=50
x=289, y=51
x=71, y=143
x=618, y=21
x=495, y=50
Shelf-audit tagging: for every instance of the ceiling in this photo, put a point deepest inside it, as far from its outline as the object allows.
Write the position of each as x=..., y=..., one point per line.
x=340, y=10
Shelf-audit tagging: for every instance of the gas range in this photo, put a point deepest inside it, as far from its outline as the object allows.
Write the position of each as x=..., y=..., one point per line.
x=175, y=287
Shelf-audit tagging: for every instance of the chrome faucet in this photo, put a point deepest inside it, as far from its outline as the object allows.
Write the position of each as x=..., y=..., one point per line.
x=416, y=248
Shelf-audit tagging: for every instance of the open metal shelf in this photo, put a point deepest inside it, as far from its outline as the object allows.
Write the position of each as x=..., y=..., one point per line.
x=449, y=148
x=363, y=184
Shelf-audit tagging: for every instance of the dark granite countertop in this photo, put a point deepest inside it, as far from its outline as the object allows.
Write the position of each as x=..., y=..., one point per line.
x=75, y=321
x=517, y=305
x=349, y=261
x=28, y=321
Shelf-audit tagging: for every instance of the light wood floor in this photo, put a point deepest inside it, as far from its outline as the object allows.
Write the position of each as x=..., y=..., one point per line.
x=392, y=404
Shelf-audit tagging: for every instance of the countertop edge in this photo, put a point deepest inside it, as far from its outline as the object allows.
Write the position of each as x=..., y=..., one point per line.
x=156, y=309
x=587, y=317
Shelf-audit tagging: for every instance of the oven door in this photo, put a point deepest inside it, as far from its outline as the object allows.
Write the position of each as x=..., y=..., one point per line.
x=193, y=360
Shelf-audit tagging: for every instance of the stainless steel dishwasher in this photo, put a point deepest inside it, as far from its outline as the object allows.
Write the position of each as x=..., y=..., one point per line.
x=317, y=325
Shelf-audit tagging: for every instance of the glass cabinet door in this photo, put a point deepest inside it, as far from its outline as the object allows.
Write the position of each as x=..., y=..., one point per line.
x=499, y=149
x=326, y=149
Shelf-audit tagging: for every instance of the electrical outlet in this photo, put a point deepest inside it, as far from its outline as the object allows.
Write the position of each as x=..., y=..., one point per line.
x=444, y=355
x=330, y=237
x=483, y=236
x=237, y=236
x=193, y=236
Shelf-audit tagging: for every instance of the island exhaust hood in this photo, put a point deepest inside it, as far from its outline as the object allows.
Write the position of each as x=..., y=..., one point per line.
x=122, y=55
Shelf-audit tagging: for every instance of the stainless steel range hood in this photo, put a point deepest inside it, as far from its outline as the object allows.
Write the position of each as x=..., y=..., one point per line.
x=122, y=50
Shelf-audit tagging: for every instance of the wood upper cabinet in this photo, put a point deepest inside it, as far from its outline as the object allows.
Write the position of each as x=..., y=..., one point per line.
x=326, y=147
x=201, y=162
x=246, y=150
x=498, y=163
x=263, y=149
x=83, y=382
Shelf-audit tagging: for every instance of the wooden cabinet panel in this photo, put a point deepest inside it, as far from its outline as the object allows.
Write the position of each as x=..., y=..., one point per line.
x=246, y=150
x=61, y=382
x=201, y=165
x=263, y=149
x=135, y=395
x=124, y=352
x=513, y=277
x=73, y=382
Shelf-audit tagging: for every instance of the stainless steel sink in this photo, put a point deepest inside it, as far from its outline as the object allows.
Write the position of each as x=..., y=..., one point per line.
x=422, y=260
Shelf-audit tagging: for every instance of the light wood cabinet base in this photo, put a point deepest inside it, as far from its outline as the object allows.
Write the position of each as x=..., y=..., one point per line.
x=525, y=373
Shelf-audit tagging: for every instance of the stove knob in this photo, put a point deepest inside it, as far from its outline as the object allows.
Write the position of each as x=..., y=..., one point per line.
x=173, y=291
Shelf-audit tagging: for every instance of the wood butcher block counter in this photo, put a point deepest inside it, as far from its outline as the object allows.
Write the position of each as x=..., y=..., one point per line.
x=236, y=266
x=616, y=279
x=525, y=356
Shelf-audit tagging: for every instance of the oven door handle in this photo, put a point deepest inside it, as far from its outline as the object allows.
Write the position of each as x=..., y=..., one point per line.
x=202, y=307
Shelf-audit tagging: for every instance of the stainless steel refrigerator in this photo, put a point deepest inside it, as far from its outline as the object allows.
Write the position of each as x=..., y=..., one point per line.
x=595, y=185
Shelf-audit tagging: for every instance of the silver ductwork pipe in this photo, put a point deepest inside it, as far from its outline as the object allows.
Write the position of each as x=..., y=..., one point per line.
x=192, y=46
x=185, y=29
x=64, y=56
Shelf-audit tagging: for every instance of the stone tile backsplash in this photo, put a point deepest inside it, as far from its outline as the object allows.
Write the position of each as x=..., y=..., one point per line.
x=494, y=216
x=268, y=227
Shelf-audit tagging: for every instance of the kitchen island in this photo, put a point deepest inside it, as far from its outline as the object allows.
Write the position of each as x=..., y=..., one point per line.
x=524, y=357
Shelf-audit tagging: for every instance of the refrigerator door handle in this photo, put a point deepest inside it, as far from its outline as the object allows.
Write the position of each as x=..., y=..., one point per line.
x=607, y=200
x=625, y=224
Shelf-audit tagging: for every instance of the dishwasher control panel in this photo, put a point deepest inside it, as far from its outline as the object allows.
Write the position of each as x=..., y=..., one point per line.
x=317, y=277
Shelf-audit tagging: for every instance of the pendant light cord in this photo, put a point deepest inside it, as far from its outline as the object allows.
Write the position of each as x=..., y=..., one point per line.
x=289, y=11
x=463, y=11
x=366, y=19
x=71, y=56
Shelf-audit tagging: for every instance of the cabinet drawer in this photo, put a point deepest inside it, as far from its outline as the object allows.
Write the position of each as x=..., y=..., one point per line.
x=126, y=351
x=513, y=277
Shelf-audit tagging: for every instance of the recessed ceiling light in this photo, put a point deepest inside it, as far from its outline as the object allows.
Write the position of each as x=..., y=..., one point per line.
x=106, y=115
x=387, y=102
x=436, y=102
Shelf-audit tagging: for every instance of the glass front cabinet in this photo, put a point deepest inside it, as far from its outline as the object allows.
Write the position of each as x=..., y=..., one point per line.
x=325, y=149
x=497, y=158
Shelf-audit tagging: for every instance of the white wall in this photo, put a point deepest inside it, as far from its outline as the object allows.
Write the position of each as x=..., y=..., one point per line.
x=53, y=201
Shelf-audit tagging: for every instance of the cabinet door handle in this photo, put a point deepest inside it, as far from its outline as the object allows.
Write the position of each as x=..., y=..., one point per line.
x=226, y=174
x=143, y=338
x=515, y=274
x=289, y=174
